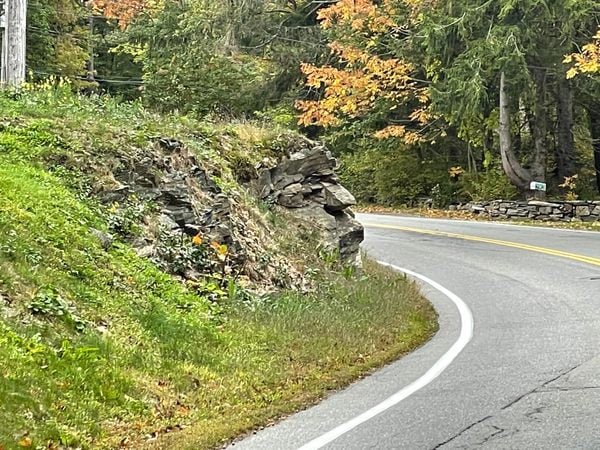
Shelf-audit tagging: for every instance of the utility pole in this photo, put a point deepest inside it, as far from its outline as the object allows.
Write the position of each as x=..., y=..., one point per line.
x=91, y=69
x=14, y=42
x=3, y=48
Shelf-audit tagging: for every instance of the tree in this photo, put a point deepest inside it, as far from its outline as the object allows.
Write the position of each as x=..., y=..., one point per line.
x=365, y=81
x=232, y=57
x=461, y=67
x=587, y=62
x=57, y=39
x=124, y=11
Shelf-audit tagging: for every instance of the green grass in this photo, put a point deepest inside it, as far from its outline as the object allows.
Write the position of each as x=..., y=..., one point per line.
x=100, y=348
x=303, y=346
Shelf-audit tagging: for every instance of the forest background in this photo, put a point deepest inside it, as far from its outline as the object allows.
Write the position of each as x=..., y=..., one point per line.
x=441, y=101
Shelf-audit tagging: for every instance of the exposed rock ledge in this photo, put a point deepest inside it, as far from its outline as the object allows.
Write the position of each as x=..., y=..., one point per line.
x=189, y=202
x=305, y=183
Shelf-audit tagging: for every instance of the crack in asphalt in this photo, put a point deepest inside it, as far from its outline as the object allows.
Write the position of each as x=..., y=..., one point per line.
x=532, y=413
x=461, y=432
x=568, y=389
x=492, y=435
x=544, y=384
x=508, y=405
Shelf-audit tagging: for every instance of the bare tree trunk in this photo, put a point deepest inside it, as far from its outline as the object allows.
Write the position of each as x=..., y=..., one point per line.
x=565, y=151
x=538, y=165
x=595, y=133
x=519, y=176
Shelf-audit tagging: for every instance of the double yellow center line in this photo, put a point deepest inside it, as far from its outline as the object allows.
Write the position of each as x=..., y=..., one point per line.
x=466, y=237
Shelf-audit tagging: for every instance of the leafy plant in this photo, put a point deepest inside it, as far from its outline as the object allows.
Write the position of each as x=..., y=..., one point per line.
x=124, y=218
x=178, y=253
x=49, y=303
x=570, y=186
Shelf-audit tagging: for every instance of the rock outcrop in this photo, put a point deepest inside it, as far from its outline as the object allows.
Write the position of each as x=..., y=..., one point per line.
x=186, y=201
x=305, y=182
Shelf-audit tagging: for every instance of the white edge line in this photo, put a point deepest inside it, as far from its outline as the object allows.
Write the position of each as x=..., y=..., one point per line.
x=466, y=333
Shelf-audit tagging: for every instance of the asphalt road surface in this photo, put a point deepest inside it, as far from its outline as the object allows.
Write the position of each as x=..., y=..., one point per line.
x=528, y=378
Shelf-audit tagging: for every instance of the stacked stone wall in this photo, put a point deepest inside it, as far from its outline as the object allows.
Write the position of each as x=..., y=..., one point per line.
x=563, y=211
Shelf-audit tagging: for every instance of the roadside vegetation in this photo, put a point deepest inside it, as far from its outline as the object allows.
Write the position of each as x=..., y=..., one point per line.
x=100, y=348
x=407, y=94
x=442, y=101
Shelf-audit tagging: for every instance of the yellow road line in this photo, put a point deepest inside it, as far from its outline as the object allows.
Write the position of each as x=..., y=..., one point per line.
x=466, y=237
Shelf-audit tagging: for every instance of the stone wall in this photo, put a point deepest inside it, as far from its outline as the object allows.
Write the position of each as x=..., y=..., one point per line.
x=563, y=211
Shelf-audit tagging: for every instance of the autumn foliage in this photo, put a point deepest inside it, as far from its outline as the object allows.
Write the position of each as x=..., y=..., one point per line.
x=587, y=61
x=363, y=80
x=124, y=11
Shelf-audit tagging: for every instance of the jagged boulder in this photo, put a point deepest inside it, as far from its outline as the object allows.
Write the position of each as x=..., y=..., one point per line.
x=306, y=184
x=337, y=197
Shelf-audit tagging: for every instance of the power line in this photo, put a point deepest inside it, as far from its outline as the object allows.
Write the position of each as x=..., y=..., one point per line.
x=131, y=81
x=44, y=31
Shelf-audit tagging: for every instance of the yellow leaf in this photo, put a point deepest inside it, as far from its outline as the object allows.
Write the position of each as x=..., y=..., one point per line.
x=25, y=442
x=455, y=171
x=571, y=73
x=197, y=240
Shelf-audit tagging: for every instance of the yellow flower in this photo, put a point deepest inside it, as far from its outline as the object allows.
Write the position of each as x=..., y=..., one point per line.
x=197, y=240
x=220, y=249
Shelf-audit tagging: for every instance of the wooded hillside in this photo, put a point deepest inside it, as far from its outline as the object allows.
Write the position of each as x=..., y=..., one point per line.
x=447, y=100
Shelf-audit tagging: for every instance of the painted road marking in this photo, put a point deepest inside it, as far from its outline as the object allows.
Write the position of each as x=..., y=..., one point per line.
x=548, y=251
x=466, y=333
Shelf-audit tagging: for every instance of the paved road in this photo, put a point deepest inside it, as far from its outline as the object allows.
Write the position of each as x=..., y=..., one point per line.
x=530, y=376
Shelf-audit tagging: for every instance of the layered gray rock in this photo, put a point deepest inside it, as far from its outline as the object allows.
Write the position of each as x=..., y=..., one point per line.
x=305, y=183
x=186, y=202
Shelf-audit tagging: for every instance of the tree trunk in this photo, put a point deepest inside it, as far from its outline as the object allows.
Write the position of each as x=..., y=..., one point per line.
x=519, y=176
x=595, y=133
x=538, y=165
x=565, y=151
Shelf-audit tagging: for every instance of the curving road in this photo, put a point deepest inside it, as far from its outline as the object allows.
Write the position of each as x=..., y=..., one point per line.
x=529, y=377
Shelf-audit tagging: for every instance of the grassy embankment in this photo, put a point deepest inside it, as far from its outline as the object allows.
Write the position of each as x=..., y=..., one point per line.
x=100, y=348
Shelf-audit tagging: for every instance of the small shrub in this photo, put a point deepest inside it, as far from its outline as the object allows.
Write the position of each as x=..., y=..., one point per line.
x=491, y=184
x=178, y=253
x=396, y=176
x=124, y=219
x=50, y=303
